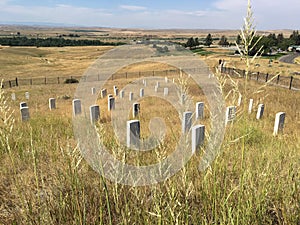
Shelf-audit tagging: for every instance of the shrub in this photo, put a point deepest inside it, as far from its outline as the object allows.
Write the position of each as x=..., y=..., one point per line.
x=71, y=81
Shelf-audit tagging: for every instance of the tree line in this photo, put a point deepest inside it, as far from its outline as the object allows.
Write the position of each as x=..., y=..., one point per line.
x=53, y=42
x=269, y=43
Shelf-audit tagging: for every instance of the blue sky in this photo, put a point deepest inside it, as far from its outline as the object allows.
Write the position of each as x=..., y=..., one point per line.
x=193, y=14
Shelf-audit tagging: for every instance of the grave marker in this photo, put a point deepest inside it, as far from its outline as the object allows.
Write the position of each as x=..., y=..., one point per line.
x=182, y=100
x=155, y=88
x=279, y=123
x=166, y=79
x=122, y=94
x=27, y=95
x=166, y=91
x=135, y=109
x=76, y=107
x=133, y=133
x=239, y=100
x=116, y=91
x=130, y=96
x=13, y=96
x=198, y=135
x=23, y=104
x=52, y=104
x=230, y=114
x=94, y=113
x=141, y=92
x=103, y=93
x=199, y=110
x=260, y=111
x=250, y=106
x=25, y=113
x=93, y=90
x=111, y=103
x=186, y=122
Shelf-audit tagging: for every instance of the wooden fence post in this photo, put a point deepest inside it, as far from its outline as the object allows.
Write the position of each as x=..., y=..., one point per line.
x=291, y=82
x=267, y=77
x=17, y=84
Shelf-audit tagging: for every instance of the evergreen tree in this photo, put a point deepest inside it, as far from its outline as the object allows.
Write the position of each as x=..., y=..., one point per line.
x=238, y=39
x=208, y=40
x=223, y=41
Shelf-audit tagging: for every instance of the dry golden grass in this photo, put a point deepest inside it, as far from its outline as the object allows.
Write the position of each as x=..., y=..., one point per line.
x=44, y=181
x=297, y=60
x=32, y=62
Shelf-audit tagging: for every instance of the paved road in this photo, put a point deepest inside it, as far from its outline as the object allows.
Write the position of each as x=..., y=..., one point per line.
x=289, y=58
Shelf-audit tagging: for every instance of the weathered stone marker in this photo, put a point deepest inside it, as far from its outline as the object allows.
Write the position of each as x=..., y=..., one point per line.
x=239, y=100
x=142, y=92
x=76, y=107
x=230, y=114
x=103, y=93
x=198, y=135
x=250, y=106
x=199, y=110
x=111, y=104
x=23, y=104
x=130, y=96
x=166, y=91
x=186, y=122
x=279, y=123
x=135, y=109
x=122, y=94
x=133, y=133
x=94, y=113
x=116, y=91
x=166, y=79
x=157, y=84
x=155, y=88
x=13, y=96
x=25, y=113
x=183, y=98
x=260, y=111
x=93, y=91
x=52, y=103
x=27, y=95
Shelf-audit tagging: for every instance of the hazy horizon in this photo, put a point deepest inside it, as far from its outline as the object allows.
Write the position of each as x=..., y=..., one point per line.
x=134, y=14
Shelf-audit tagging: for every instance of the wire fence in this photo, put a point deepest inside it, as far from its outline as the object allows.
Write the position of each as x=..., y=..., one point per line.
x=288, y=82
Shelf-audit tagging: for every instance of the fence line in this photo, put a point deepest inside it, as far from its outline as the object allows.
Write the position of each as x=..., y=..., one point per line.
x=290, y=82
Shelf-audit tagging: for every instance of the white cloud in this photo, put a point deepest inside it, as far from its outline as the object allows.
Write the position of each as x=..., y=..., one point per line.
x=133, y=7
x=187, y=13
x=58, y=14
x=230, y=5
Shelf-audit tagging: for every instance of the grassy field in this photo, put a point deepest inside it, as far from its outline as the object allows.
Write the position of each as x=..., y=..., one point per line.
x=32, y=62
x=44, y=180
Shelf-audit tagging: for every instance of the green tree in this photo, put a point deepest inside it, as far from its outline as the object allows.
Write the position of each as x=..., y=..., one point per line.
x=238, y=39
x=223, y=41
x=190, y=43
x=208, y=40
